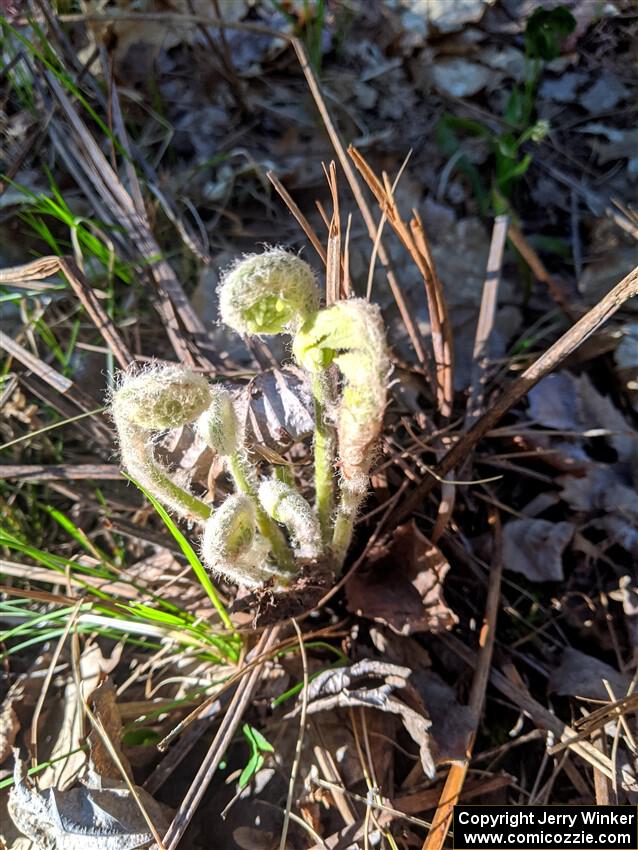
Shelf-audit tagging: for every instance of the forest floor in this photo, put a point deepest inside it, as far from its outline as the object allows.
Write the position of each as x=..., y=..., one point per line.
x=470, y=166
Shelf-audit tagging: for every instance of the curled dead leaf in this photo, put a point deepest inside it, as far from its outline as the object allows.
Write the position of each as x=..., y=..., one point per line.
x=279, y=409
x=371, y=684
x=107, y=714
x=18, y=704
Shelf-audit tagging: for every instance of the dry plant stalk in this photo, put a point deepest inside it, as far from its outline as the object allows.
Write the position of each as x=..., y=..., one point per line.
x=414, y=240
x=45, y=267
x=455, y=780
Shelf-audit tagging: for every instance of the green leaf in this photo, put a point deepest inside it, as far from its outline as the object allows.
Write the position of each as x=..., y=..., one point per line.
x=141, y=736
x=514, y=109
x=475, y=128
x=264, y=745
x=258, y=745
x=500, y=204
x=552, y=245
x=73, y=531
x=517, y=170
x=546, y=30
x=508, y=146
x=446, y=139
x=254, y=764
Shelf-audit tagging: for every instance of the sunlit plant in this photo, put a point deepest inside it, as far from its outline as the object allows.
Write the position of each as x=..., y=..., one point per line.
x=266, y=530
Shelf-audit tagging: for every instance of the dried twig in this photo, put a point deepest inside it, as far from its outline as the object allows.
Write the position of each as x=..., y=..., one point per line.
x=380, y=226
x=415, y=242
x=301, y=218
x=230, y=722
x=539, y=715
x=333, y=133
x=47, y=576
x=333, y=257
x=61, y=472
x=65, y=389
x=44, y=267
x=102, y=733
x=458, y=772
x=480, y=357
x=91, y=424
x=530, y=255
x=300, y=737
x=47, y=373
x=35, y=718
x=178, y=753
x=91, y=161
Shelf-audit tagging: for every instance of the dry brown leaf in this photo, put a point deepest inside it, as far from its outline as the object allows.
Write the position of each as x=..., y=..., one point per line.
x=626, y=357
x=104, y=706
x=606, y=489
x=279, y=408
x=580, y=675
x=628, y=591
x=565, y=402
x=65, y=725
x=249, y=838
x=452, y=723
x=17, y=707
x=404, y=651
x=9, y=727
x=534, y=548
x=276, y=408
x=401, y=585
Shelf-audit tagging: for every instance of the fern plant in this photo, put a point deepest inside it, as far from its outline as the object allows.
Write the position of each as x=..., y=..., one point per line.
x=266, y=530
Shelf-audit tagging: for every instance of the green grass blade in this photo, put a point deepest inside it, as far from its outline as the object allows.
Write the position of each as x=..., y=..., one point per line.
x=190, y=555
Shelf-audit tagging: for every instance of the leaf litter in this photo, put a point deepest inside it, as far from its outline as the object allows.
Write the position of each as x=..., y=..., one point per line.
x=567, y=500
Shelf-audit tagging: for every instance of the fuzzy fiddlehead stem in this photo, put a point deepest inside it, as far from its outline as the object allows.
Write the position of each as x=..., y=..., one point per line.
x=219, y=427
x=244, y=479
x=286, y=505
x=324, y=452
x=350, y=499
x=233, y=547
x=139, y=460
x=351, y=335
x=155, y=400
x=272, y=293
